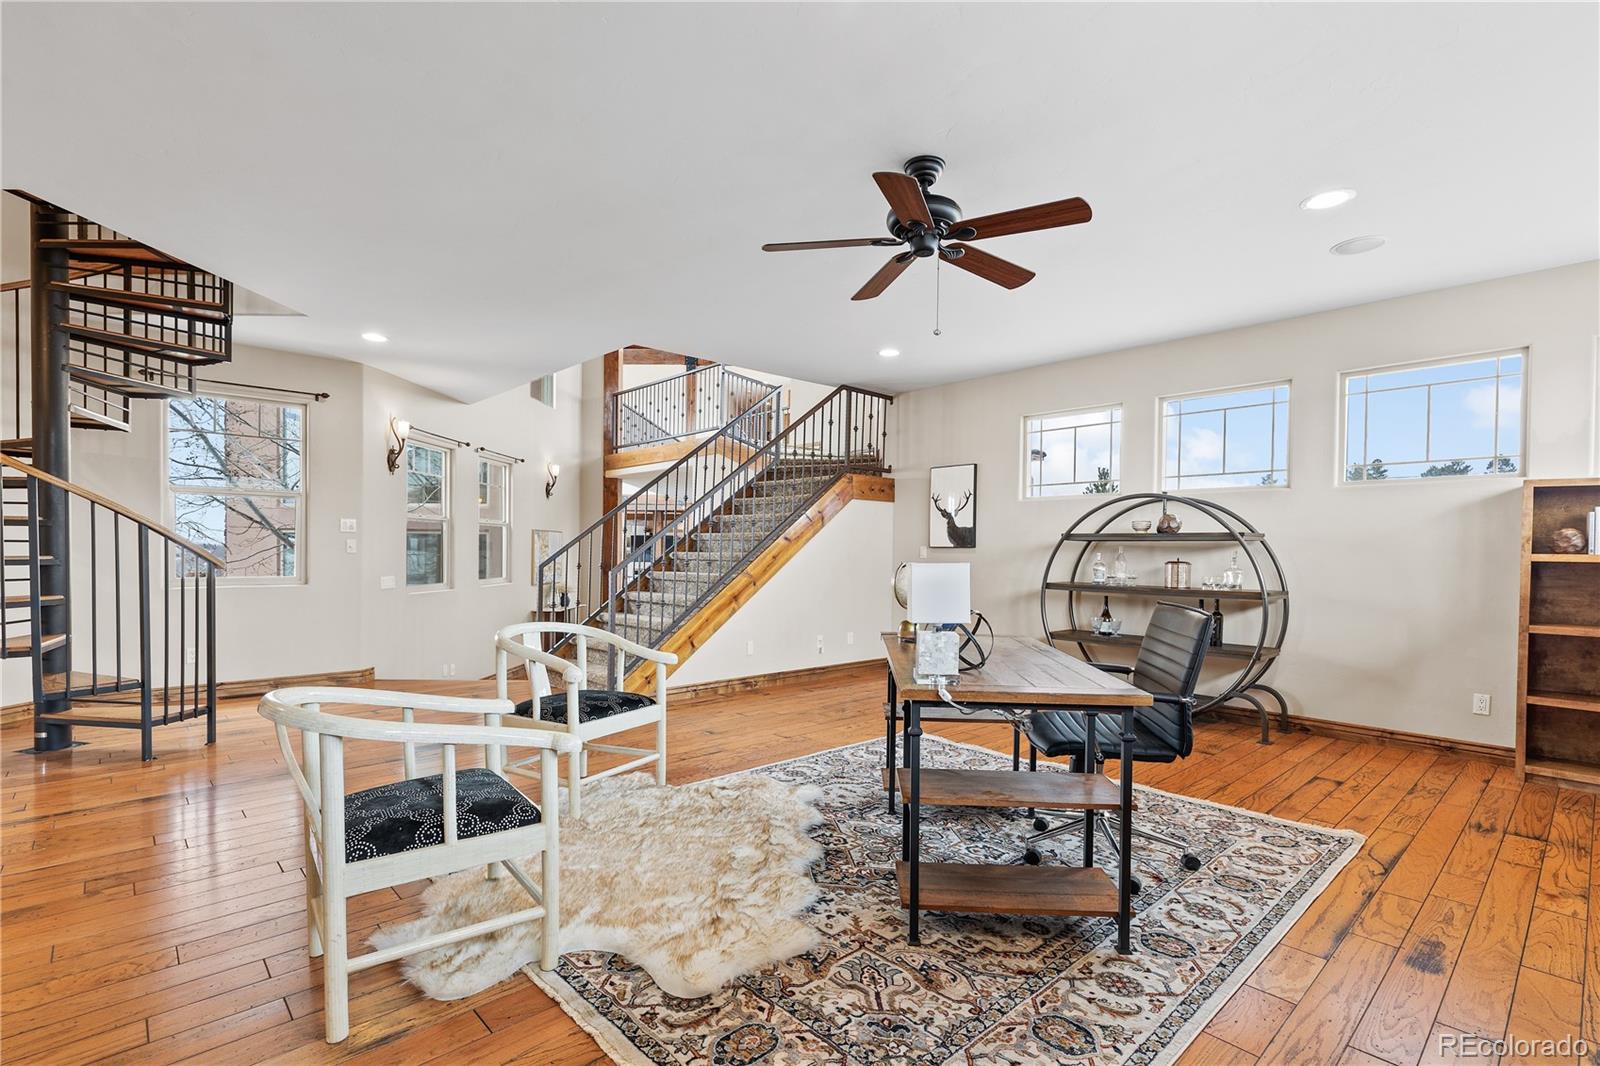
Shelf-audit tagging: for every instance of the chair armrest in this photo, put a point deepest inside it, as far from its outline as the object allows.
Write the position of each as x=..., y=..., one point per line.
x=377, y=697
x=1113, y=668
x=299, y=708
x=1171, y=699
x=569, y=671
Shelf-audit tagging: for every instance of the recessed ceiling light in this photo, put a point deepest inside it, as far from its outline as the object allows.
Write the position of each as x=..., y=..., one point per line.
x=375, y=337
x=1323, y=200
x=1357, y=245
x=888, y=353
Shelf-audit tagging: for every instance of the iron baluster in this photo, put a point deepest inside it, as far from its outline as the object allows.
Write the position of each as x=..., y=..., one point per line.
x=146, y=682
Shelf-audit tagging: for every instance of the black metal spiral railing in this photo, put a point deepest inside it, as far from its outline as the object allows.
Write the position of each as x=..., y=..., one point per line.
x=134, y=623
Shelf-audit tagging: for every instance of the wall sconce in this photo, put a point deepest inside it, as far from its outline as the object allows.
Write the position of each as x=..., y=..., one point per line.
x=553, y=472
x=401, y=429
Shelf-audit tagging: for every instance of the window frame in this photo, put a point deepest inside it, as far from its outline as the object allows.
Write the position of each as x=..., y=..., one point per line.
x=503, y=525
x=446, y=464
x=301, y=495
x=1024, y=454
x=1342, y=414
x=1288, y=436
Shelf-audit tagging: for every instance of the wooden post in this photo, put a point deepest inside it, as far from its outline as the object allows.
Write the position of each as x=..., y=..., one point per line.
x=611, y=487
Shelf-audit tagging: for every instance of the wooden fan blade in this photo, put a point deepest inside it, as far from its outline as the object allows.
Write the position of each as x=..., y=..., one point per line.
x=990, y=267
x=857, y=242
x=1026, y=219
x=904, y=194
x=886, y=274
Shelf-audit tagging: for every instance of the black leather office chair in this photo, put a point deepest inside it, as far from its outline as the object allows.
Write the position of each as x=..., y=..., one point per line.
x=1168, y=667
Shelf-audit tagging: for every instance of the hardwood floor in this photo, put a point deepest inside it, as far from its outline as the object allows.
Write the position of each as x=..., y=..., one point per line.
x=154, y=913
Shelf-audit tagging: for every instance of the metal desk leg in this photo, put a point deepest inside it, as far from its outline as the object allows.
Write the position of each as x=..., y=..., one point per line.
x=1016, y=749
x=914, y=802
x=1125, y=860
x=888, y=751
x=905, y=808
x=1090, y=751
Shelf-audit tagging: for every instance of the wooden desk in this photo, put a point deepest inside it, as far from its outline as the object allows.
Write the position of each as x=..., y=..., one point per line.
x=1021, y=674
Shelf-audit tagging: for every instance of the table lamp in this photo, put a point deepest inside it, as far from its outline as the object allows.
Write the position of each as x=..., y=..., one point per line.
x=938, y=598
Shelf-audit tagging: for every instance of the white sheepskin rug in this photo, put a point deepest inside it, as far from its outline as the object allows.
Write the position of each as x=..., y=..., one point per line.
x=697, y=884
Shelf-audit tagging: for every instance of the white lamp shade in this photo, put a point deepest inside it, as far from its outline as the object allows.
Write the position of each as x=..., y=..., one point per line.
x=939, y=593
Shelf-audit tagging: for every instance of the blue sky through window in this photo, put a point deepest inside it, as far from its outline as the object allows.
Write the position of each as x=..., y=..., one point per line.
x=1447, y=419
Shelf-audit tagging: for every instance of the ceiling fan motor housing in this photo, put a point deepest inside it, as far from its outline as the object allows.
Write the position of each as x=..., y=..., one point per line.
x=945, y=213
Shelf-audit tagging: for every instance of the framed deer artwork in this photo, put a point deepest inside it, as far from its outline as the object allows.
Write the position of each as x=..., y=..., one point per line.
x=953, y=514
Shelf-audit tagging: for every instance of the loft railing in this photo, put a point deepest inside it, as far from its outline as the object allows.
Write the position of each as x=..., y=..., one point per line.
x=572, y=580
x=134, y=623
x=700, y=401
x=846, y=432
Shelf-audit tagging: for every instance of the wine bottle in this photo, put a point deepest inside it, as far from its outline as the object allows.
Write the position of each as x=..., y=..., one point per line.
x=1105, y=616
x=1216, y=622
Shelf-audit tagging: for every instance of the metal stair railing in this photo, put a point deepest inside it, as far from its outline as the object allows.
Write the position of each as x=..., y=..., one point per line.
x=846, y=432
x=573, y=578
x=700, y=401
x=150, y=599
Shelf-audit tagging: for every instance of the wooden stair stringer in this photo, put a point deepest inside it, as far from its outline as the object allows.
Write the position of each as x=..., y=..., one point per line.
x=699, y=627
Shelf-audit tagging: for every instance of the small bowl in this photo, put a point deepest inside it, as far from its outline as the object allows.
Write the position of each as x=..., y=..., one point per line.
x=1141, y=525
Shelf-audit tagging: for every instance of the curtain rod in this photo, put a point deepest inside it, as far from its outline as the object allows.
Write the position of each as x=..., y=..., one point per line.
x=441, y=436
x=500, y=455
x=317, y=396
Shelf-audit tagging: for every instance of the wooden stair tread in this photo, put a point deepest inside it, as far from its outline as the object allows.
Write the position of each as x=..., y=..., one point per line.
x=125, y=386
x=165, y=349
x=175, y=306
x=116, y=250
x=23, y=600
x=83, y=418
x=23, y=644
x=1007, y=788
x=18, y=560
x=971, y=888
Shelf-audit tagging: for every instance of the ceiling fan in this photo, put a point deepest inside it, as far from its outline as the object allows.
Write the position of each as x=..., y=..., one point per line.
x=925, y=221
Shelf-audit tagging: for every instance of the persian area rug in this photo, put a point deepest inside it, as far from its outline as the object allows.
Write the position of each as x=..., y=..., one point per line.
x=697, y=884
x=980, y=990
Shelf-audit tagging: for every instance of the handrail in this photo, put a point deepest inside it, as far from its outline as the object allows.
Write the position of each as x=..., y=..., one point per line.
x=688, y=457
x=791, y=430
x=111, y=505
x=88, y=272
x=701, y=369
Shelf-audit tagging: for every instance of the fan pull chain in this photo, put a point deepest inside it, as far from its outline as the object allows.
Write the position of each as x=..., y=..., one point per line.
x=938, y=270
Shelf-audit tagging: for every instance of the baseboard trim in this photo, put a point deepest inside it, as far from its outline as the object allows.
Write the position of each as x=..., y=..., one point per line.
x=1352, y=731
x=233, y=690
x=735, y=685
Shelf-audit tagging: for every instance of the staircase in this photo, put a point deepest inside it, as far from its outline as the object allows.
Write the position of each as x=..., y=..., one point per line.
x=113, y=611
x=669, y=563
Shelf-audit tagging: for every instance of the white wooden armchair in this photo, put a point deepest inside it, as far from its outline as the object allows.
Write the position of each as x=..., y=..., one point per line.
x=589, y=714
x=415, y=828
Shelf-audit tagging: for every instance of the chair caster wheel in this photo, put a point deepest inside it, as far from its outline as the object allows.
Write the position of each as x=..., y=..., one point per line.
x=1032, y=857
x=1040, y=825
x=1134, y=885
x=1191, y=861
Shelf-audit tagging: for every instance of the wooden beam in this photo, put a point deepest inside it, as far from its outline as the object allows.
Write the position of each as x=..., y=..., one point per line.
x=691, y=636
x=610, y=488
x=636, y=355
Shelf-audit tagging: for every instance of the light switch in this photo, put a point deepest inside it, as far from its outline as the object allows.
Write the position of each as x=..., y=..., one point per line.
x=386, y=581
x=347, y=525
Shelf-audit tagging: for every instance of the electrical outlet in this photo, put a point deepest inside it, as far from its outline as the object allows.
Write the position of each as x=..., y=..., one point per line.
x=1480, y=703
x=749, y=647
x=349, y=545
x=386, y=581
x=188, y=656
x=347, y=525
x=924, y=550
x=819, y=643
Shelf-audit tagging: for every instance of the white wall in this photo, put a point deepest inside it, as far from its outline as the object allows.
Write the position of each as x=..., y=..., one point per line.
x=835, y=586
x=1404, y=592
x=338, y=618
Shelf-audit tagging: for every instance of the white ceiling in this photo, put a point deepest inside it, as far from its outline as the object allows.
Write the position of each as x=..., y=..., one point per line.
x=507, y=189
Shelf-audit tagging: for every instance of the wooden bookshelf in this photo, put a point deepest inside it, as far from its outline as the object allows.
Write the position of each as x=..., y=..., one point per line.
x=1558, y=638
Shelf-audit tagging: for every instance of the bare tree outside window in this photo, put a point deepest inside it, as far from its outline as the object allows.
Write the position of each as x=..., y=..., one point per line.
x=235, y=467
x=427, y=515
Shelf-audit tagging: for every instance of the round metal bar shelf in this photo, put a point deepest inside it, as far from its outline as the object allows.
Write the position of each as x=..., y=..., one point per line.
x=1065, y=579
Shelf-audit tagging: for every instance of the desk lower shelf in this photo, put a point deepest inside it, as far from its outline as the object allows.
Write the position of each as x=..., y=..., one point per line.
x=968, y=888
x=1049, y=791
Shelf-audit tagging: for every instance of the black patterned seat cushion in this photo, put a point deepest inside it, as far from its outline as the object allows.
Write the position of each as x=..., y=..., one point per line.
x=593, y=703
x=408, y=815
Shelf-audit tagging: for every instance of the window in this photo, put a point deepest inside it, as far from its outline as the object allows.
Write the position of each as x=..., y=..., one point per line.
x=1072, y=452
x=1213, y=440
x=235, y=470
x=427, y=515
x=494, y=519
x=1445, y=418
x=544, y=390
